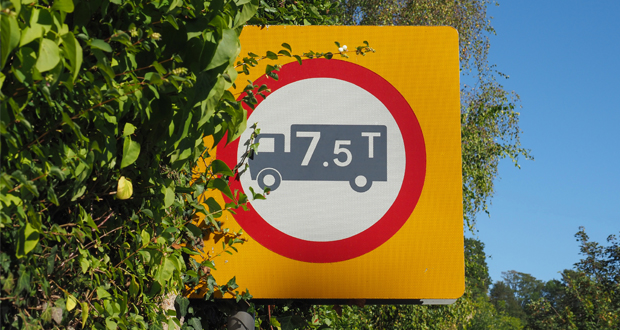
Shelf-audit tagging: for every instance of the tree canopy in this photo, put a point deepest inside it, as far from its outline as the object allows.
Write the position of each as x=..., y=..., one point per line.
x=105, y=106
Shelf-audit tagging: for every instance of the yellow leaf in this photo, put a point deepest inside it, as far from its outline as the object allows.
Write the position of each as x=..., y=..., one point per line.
x=124, y=190
x=71, y=302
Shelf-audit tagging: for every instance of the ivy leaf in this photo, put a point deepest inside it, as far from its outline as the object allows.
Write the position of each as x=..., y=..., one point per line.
x=27, y=239
x=194, y=322
x=131, y=151
x=8, y=283
x=292, y=322
x=183, y=304
x=49, y=55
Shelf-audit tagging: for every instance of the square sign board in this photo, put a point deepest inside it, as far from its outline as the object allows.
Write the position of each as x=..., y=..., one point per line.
x=363, y=159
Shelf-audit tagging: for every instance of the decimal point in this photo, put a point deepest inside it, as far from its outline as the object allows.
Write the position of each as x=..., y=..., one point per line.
x=325, y=164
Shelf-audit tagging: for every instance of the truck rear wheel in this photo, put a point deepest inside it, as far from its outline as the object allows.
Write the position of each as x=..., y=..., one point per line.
x=269, y=178
x=360, y=183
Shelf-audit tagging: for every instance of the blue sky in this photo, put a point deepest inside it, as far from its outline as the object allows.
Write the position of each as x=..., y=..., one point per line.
x=563, y=59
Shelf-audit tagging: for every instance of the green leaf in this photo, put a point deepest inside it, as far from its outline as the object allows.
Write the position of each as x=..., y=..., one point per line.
x=221, y=185
x=100, y=44
x=133, y=286
x=219, y=167
x=27, y=239
x=84, y=313
x=183, y=304
x=271, y=55
x=197, y=232
x=102, y=293
x=84, y=264
x=23, y=283
x=17, y=5
x=146, y=237
x=124, y=188
x=73, y=52
x=214, y=207
x=51, y=195
x=194, y=322
x=274, y=322
x=287, y=46
x=227, y=49
x=49, y=55
x=71, y=302
x=131, y=151
x=247, y=12
x=63, y=5
x=8, y=283
x=166, y=270
x=292, y=322
x=168, y=197
x=129, y=129
x=110, y=325
x=31, y=33
x=154, y=78
x=9, y=37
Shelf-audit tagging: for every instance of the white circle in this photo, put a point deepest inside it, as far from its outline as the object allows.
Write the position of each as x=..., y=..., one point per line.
x=325, y=164
x=322, y=211
x=360, y=181
x=269, y=180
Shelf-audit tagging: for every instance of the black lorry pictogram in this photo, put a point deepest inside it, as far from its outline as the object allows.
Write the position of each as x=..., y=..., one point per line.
x=354, y=153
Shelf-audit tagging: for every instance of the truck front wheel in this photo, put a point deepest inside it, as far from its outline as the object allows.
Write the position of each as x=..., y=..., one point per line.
x=360, y=183
x=269, y=178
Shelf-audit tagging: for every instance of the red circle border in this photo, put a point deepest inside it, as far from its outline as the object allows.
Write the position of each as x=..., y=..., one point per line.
x=396, y=216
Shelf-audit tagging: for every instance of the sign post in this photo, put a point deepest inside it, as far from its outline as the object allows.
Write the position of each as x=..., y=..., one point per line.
x=363, y=160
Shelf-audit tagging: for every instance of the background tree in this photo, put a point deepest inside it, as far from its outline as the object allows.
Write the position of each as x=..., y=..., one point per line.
x=477, y=272
x=490, y=124
x=301, y=12
x=589, y=295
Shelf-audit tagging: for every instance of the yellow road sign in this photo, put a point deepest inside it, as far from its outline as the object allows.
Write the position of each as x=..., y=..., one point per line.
x=363, y=159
